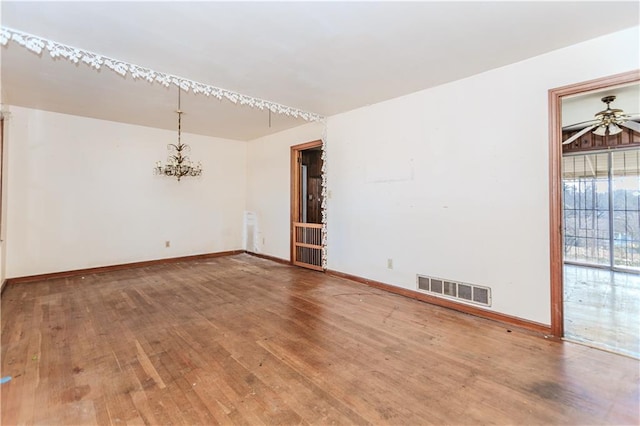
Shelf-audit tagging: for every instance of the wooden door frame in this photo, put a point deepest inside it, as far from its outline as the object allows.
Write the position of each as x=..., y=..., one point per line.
x=1, y=174
x=555, y=183
x=296, y=155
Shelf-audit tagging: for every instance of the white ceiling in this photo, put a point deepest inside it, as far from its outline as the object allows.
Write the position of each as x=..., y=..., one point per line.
x=323, y=57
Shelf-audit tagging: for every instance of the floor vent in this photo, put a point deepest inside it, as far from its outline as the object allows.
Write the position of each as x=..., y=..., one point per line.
x=455, y=290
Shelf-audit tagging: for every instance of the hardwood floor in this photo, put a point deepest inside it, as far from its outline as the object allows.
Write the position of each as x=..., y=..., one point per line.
x=243, y=340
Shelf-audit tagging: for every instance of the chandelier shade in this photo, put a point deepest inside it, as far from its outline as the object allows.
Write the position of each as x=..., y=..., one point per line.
x=178, y=163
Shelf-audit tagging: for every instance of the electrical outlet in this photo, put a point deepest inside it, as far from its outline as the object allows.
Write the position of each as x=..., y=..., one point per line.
x=167, y=244
x=389, y=263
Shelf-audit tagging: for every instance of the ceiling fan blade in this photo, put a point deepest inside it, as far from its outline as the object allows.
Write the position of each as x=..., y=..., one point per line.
x=631, y=125
x=577, y=135
x=568, y=126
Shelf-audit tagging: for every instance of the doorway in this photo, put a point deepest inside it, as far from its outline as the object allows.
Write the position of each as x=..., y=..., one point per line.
x=307, y=229
x=601, y=209
x=595, y=289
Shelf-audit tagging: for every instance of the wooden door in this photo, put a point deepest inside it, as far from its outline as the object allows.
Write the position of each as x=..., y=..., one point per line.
x=307, y=245
x=306, y=205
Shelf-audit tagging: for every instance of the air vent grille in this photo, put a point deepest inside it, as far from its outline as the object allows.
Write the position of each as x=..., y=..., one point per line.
x=481, y=295
x=423, y=283
x=464, y=291
x=454, y=290
x=436, y=286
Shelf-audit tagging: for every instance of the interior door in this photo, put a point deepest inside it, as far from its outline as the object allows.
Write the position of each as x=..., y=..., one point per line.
x=306, y=205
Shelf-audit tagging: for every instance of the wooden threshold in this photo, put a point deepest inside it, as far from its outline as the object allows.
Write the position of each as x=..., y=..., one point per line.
x=102, y=269
x=450, y=304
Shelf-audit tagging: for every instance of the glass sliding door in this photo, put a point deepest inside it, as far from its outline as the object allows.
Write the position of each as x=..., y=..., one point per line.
x=586, y=209
x=601, y=197
x=625, y=183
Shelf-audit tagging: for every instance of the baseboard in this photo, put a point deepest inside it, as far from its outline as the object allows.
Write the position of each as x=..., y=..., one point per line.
x=102, y=269
x=272, y=258
x=460, y=307
x=2, y=286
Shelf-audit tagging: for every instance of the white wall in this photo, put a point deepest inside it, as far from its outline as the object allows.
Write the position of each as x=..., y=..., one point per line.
x=82, y=193
x=450, y=181
x=269, y=187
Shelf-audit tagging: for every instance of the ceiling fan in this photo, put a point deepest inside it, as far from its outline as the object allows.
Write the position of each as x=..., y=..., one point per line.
x=607, y=122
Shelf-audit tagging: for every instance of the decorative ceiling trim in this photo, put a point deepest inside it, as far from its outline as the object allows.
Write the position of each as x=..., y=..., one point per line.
x=37, y=44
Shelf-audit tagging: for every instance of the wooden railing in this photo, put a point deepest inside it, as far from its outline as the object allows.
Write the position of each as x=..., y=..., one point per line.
x=307, y=245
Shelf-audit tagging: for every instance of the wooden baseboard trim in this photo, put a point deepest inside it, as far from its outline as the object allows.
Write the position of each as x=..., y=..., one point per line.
x=101, y=269
x=460, y=307
x=272, y=258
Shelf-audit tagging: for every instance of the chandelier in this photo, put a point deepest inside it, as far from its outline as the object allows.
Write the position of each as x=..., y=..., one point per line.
x=178, y=164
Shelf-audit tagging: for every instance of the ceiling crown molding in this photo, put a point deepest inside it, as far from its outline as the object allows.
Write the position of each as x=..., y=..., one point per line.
x=37, y=44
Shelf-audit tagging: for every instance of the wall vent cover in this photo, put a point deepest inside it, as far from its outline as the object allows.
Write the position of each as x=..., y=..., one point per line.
x=454, y=290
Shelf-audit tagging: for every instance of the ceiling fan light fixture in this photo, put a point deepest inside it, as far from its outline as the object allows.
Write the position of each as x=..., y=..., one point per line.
x=609, y=122
x=614, y=129
x=600, y=130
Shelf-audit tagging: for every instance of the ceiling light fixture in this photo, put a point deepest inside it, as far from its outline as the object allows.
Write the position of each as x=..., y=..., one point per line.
x=178, y=164
x=609, y=119
x=600, y=130
x=614, y=129
x=608, y=122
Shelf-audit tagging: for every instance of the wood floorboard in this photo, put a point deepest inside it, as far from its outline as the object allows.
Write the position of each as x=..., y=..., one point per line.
x=247, y=341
